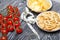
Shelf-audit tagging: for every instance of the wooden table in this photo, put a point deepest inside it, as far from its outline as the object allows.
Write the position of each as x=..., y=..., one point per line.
x=26, y=30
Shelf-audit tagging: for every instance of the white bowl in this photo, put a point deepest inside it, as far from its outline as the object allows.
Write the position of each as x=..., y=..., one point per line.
x=50, y=4
x=42, y=11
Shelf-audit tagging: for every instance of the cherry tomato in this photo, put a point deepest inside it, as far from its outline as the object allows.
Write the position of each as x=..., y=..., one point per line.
x=14, y=15
x=1, y=21
x=19, y=30
x=10, y=8
x=16, y=19
x=17, y=24
x=18, y=14
x=4, y=38
x=11, y=29
x=8, y=29
x=10, y=19
x=16, y=9
x=9, y=16
x=0, y=39
x=0, y=28
x=9, y=13
x=10, y=22
x=1, y=16
x=4, y=31
x=4, y=25
x=5, y=18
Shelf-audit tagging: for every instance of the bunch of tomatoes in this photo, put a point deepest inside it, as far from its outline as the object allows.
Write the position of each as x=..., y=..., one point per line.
x=10, y=22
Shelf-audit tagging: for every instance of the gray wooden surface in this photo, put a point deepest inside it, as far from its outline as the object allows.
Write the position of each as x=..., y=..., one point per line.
x=26, y=30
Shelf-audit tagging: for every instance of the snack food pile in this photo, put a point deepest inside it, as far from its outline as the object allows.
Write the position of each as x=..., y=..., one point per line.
x=49, y=21
x=39, y=5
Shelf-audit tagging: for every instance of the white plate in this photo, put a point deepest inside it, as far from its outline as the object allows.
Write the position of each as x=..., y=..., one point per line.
x=43, y=29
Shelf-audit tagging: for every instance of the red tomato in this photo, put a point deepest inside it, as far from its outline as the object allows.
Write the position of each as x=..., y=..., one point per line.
x=10, y=22
x=5, y=18
x=9, y=16
x=4, y=38
x=15, y=15
x=1, y=21
x=16, y=9
x=7, y=29
x=19, y=30
x=11, y=29
x=10, y=8
x=1, y=16
x=17, y=24
x=4, y=25
x=4, y=31
x=16, y=19
x=0, y=28
x=9, y=12
x=18, y=14
x=0, y=39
